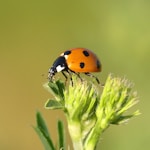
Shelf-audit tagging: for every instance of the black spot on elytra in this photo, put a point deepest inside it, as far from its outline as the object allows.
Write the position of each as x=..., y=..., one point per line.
x=86, y=53
x=67, y=52
x=82, y=64
x=98, y=64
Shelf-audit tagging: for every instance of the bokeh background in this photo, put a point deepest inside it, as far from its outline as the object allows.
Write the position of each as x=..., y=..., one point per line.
x=34, y=32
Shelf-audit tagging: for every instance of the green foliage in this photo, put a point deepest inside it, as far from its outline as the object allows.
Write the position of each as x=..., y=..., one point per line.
x=44, y=135
x=88, y=112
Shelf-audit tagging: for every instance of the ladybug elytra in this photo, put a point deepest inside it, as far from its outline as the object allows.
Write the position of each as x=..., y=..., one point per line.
x=77, y=60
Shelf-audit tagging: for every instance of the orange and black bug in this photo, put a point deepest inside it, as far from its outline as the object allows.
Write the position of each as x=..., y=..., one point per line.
x=77, y=60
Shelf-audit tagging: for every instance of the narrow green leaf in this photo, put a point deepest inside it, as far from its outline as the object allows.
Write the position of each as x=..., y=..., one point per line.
x=48, y=145
x=61, y=88
x=61, y=136
x=43, y=133
x=57, y=89
x=41, y=124
x=53, y=104
x=53, y=88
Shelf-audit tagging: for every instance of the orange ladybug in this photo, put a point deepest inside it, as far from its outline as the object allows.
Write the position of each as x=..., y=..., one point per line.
x=77, y=60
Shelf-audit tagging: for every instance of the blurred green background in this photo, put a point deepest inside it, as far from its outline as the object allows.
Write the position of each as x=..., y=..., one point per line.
x=34, y=32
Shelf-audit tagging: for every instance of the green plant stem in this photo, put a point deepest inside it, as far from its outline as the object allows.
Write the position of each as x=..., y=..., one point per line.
x=94, y=136
x=75, y=127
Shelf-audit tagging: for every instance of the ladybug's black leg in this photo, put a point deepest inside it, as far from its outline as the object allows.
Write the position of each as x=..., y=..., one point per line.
x=69, y=75
x=65, y=76
x=79, y=76
x=91, y=75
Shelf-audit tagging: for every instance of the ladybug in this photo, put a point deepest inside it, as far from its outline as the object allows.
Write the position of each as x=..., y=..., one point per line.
x=77, y=60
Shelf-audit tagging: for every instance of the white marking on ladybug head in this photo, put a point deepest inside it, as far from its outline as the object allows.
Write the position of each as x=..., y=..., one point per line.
x=66, y=57
x=60, y=68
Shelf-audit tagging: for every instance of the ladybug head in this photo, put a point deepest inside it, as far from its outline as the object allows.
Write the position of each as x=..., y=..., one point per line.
x=51, y=73
x=58, y=66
